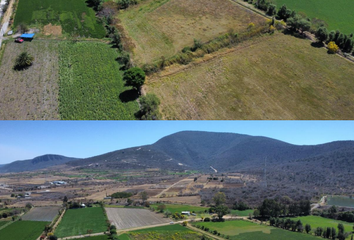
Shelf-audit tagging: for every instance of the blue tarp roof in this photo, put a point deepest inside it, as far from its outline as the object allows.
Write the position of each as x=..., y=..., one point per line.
x=27, y=35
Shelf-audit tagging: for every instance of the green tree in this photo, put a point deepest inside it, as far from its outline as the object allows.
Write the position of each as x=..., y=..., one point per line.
x=144, y=196
x=149, y=107
x=308, y=228
x=221, y=210
x=333, y=234
x=298, y=23
x=348, y=45
x=23, y=61
x=321, y=34
x=161, y=208
x=272, y=10
x=340, y=228
x=284, y=13
x=219, y=198
x=134, y=77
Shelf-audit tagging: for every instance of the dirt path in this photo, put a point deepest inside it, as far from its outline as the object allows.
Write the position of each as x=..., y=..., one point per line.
x=165, y=190
x=82, y=236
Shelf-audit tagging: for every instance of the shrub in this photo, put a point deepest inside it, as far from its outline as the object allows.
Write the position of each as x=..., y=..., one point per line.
x=23, y=61
x=206, y=219
x=149, y=109
x=332, y=47
x=134, y=77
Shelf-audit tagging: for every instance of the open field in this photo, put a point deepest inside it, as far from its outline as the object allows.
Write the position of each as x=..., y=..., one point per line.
x=337, y=16
x=75, y=17
x=270, y=77
x=101, y=237
x=31, y=93
x=176, y=232
x=78, y=221
x=342, y=201
x=2, y=223
x=124, y=218
x=91, y=85
x=244, y=213
x=45, y=214
x=179, y=208
x=164, y=27
x=316, y=221
x=23, y=230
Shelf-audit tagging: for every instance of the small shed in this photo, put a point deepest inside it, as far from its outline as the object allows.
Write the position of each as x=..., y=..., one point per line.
x=27, y=36
x=188, y=213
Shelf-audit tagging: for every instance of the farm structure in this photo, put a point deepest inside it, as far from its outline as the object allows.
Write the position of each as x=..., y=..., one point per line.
x=124, y=218
x=27, y=36
x=45, y=214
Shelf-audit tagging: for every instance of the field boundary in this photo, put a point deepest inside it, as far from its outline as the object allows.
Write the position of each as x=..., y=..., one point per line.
x=58, y=220
x=203, y=232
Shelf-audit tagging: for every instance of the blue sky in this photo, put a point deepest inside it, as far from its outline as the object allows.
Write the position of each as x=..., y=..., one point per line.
x=21, y=140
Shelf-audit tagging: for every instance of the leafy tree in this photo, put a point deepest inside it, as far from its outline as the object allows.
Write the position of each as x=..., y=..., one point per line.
x=149, y=107
x=272, y=10
x=299, y=226
x=321, y=34
x=134, y=77
x=65, y=200
x=117, y=40
x=23, y=61
x=256, y=213
x=284, y=13
x=298, y=23
x=348, y=45
x=340, y=228
x=332, y=48
x=161, y=208
x=318, y=231
x=328, y=232
x=221, y=210
x=144, y=196
x=331, y=36
x=307, y=228
x=219, y=198
x=333, y=233
x=53, y=237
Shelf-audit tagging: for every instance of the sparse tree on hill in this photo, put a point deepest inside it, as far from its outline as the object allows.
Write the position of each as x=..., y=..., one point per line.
x=219, y=198
x=134, y=77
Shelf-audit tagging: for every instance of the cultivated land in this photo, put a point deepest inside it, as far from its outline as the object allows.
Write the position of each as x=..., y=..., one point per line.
x=32, y=93
x=164, y=27
x=337, y=15
x=91, y=85
x=78, y=221
x=179, y=208
x=75, y=17
x=101, y=237
x=176, y=232
x=316, y=221
x=23, y=230
x=124, y=218
x=270, y=77
x=46, y=214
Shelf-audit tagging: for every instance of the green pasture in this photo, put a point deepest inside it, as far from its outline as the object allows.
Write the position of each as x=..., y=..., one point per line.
x=179, y=208
x=75, y=17
x=316, y=221
x=78, y=221
x=23, y=230
x=275, y=234
x=91, y=85
x=244, y=213
x=100, y=237
x=337, y=14
x=2, y=223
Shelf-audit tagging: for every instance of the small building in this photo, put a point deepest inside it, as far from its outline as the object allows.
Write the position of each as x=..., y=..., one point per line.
x=27, y=36
x=188, y=213
x=83, y=205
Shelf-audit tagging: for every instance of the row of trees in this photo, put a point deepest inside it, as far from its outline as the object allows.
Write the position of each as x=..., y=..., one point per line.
x=330, y=232
x=343, y=41
x=273, y=208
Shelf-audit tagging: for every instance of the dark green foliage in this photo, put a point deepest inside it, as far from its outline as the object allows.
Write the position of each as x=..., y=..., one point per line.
x=262, y=4
x=321, y=34
x=197, y=44
x=298, y=23
x=23, y=61
x=134, y=77
x=124, y=60
x=272, y=10
x=206, y=219
x=284, y=13
x=240, y=206
x=308, y=228
x=121, y=195
x=149, y=107
x=221, y=210
x=123, y=4
x=331, y=36
x=95, y=4
x=53, y=237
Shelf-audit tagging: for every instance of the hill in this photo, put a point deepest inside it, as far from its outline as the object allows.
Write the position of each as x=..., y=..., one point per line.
x=36, y=163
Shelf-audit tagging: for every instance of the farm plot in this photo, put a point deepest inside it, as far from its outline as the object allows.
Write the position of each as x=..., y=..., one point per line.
x=31, y=94
x=124, y=218
x=164, y=27
x=179, y=208
x=23, y=230
x=78, y=221
x=270, y=77
x=316, y=221
x=337, y=16
x=74, y=17
x=91, y=85
x=46, y=214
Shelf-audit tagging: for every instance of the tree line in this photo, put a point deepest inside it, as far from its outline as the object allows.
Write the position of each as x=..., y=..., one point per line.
x=273, y=208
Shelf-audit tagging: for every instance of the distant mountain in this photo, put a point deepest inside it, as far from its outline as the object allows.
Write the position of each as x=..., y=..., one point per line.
x=223, y=151
x=36, y=163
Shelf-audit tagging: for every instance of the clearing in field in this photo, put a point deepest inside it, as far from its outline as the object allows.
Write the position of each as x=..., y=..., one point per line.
x=23, y=230
x=338, y=15
x=124, y=218
x=270, y=77
x=78, y=221
x=316, y=221
x=31, y=93
x=91, y=85
x=45, y=214
x=176, y=232
x=164, y=27
x=74, y=17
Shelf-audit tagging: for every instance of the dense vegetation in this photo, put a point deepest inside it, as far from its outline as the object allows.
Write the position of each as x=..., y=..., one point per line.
x=23, y=230
x=91, y=85
x=121, y=195
x=75, y=17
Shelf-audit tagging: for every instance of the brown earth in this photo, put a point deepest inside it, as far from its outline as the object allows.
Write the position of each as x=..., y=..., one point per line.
x=50, y=29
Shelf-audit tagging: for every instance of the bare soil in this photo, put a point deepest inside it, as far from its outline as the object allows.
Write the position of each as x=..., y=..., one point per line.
x=53, y=30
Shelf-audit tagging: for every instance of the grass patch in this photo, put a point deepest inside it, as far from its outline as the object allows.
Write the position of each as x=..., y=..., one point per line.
x=78, y=221
x=75, y=17
x=244, y=213
x=101, y=237
x=165, y=27
x=91, y=85
x=23, y=230
x=316, y=221
x=337, y=16
x=2, y=223
x=268, y=77
x=179, y=208
x=275, y=234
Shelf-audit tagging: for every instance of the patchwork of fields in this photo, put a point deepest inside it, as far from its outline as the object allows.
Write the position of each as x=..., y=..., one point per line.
x=75, y=17
x=338, y=14
x=23, y=230
x=271, y=77
x=164, y=27
x=46, y=214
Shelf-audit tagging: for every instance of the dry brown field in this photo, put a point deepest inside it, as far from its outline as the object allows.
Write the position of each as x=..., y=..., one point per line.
x=45, y=214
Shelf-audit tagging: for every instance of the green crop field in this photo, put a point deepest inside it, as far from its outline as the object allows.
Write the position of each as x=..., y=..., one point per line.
x=2, y=223
x=269, y=77
x=316, y=221
x=337, y=14
x=179, y=208
x=23, y=230
x=342, y=201
x=244, y=213
x=91, y=85
x=75, y=17
x=244, y=230
x=176, y=232
x=164, y=27
x=101, y=237
x=78, y=221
